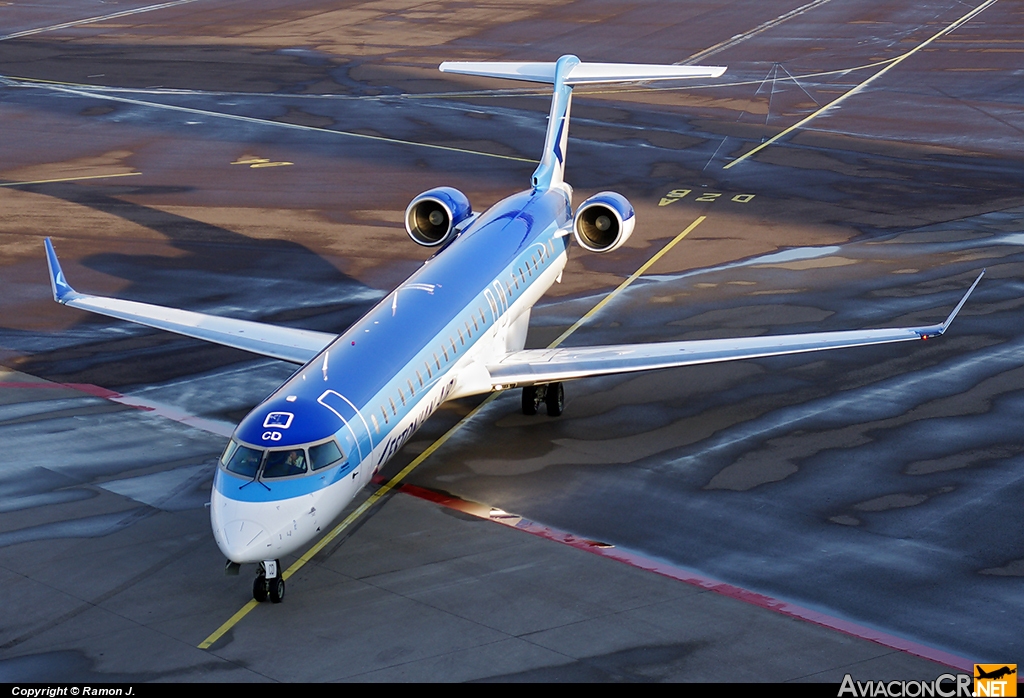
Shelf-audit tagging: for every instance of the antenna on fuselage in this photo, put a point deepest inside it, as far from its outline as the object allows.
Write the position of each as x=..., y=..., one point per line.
x=564, y=74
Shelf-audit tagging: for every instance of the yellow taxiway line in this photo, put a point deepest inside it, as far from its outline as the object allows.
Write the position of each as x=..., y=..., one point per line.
x=93, y=20
x=70, y=179
x=622, y=287
x=895, y=62
x=397, y=479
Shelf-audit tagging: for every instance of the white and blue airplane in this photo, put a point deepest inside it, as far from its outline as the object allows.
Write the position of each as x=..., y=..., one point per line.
x=456, y=327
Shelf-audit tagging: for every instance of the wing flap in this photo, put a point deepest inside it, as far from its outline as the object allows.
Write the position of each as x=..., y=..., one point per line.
x=285, y=343
x=532, y=366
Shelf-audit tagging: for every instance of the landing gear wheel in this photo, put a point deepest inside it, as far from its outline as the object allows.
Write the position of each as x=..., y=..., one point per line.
x=530, y=400
x=555, y=399
x=260, y=588
x=277, y=590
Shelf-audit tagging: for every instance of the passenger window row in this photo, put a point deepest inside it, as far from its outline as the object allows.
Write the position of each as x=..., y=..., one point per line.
x=537, y=259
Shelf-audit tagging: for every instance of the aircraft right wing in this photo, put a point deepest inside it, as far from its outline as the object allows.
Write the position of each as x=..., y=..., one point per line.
x=285, y=343
x=534, y=366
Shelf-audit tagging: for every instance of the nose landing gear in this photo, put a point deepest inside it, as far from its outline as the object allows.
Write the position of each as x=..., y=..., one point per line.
x=276, y=590
x=268, y=582
x=551, y=395
x=260, y=588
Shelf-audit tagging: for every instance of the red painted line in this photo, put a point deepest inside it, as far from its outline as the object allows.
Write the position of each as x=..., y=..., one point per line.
x=173, y=413
x=598, y=548
x=690, y=577
x=81, y=387
x=94, y=390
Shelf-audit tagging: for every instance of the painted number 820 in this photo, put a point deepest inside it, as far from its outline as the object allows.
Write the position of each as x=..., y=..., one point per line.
x=708, y=196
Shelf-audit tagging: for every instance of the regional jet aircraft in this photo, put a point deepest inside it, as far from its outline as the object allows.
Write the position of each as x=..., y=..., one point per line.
x=456, y=327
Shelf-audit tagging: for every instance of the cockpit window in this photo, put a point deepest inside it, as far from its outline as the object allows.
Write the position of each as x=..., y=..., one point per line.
x=285, y=463
x=244, y=461
x=325, y=454
x=279, y=463
x=228, y=452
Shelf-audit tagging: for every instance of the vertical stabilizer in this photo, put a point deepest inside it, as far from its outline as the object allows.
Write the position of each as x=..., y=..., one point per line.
x=552, y=162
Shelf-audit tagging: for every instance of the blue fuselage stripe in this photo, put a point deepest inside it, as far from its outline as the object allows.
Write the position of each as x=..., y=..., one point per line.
x=248, y=490
x=413, y=329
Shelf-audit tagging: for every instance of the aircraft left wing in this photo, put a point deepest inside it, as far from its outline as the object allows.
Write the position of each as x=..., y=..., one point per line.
x=533, y=366
x=285, y=343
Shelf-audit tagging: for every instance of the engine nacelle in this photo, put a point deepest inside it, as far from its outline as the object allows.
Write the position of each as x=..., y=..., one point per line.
x=604, y=222
x=432, y=216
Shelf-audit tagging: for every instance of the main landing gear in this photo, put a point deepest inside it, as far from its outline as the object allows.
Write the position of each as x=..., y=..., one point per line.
x=268, y=582
x=551, y=395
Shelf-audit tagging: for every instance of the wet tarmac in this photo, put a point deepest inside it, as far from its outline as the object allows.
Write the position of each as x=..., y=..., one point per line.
x=254, y=160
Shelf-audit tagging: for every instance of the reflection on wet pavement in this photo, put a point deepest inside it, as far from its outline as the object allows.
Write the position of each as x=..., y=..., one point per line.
x=880, y=485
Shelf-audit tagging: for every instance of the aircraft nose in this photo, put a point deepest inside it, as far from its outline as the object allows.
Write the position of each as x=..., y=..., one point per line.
x=242, y=541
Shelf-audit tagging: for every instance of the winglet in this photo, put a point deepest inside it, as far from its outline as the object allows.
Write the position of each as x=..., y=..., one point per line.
x=937, y=330
x=62, y=292
x=963, y=300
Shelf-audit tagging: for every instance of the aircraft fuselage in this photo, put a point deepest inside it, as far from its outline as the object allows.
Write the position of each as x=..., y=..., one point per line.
x=373, y=387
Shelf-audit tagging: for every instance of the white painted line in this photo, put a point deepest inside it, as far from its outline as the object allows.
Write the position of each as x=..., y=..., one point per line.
x=93, y=20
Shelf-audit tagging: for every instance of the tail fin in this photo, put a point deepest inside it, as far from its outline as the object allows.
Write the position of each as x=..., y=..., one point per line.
x=564, y=74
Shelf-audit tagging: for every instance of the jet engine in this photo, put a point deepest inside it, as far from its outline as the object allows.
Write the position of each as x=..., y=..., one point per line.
x=432, y=216
x=604, y=222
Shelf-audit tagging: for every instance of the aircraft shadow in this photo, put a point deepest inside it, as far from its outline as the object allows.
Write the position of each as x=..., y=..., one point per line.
x=218, y=271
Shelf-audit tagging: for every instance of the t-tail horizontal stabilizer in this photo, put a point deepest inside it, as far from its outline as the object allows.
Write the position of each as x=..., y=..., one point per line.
x=582, y=73
x=564, y=74
x=285, y=343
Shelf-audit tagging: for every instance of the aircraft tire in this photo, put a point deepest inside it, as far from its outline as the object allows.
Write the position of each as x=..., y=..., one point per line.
x=276, y=590
x=260, y=588
x=530, y=400
x=555, y=399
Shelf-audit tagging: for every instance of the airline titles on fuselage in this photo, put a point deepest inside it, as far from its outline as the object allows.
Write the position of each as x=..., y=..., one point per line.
x=397, y=441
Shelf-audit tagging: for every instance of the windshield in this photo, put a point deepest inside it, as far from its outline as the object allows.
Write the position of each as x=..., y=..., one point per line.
x=285, y=463
x=289, y=462
x=243, y=461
